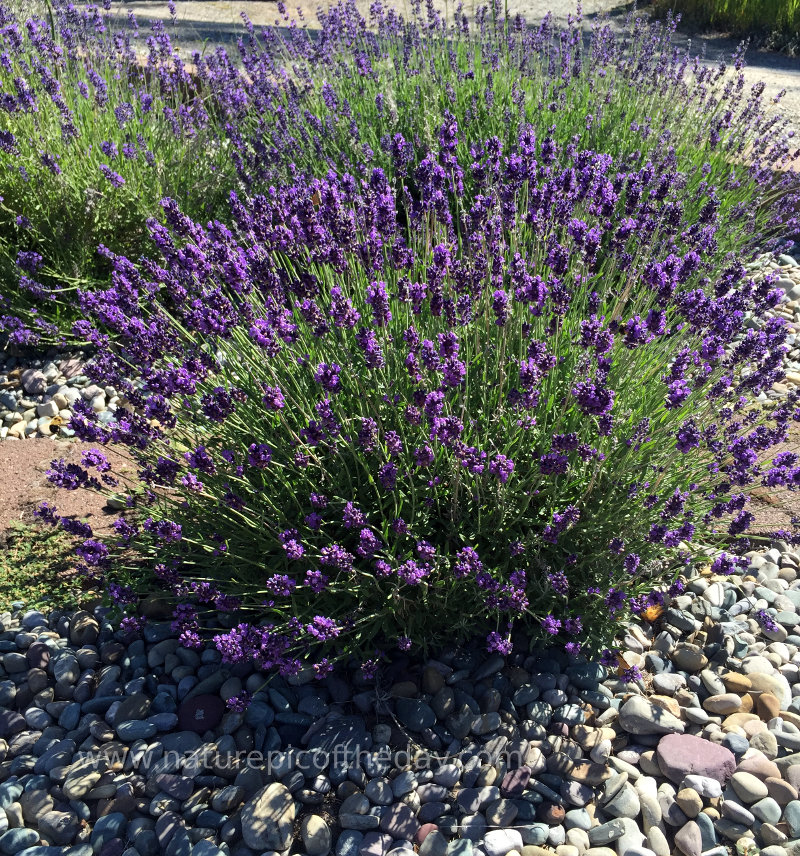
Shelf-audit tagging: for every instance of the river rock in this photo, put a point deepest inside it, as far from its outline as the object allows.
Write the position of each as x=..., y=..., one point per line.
x=679, y=755
x=268, y=818
x=639, y=716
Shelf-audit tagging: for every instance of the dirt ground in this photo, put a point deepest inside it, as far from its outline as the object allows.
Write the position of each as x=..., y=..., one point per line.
x=24, y=484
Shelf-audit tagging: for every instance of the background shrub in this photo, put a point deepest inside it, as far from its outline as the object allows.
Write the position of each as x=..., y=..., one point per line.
x=359, y=84
x=92, y=134
x=775, y=20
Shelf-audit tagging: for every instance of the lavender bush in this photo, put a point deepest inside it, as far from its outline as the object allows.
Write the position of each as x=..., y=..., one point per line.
x=360, y=424
x=488, y=368
x=361, y=94
x=92, y=134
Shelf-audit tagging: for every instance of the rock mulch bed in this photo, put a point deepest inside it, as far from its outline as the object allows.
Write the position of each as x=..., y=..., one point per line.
x=110, y=746
x=37, y=395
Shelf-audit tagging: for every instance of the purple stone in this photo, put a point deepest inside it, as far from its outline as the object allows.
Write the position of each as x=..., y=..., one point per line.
x=679, y=755
x=515, y=782
x=114, y=847
x=200, y=713
x=375, y=844
x=400, y=822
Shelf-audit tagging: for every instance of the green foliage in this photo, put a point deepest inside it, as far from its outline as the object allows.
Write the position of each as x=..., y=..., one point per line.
x=36, y=567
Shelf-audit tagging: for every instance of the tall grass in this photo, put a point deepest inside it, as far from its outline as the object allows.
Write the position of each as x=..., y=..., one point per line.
x=778, y=20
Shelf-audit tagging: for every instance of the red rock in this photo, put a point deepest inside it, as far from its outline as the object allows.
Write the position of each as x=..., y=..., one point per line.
x=681, y=754
x=424, y=831
x=759, y=766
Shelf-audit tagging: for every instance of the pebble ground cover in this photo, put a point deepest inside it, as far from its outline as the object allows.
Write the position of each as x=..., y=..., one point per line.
x=428, y=407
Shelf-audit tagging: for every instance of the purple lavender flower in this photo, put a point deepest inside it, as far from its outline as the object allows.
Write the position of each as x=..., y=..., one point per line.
x=631, y=675
x=337, y=557
x=259, y=455
x=609, y=658
x=767, y=621
x=218, y=404
x=425, y=550
x=323, y=629
x=93, y=552
x=558, y=582
x=328, y=377
x=500, y=307
x=316, y=581
x=239, y=703
x=131, y=626
x=273, y=398
x=615, y=600
x=378, y=298
x=688, y=437
x=114, y=178
x=501, y=467
x=677, y=393
x=166, y=531
x=352, y=516
x=412, y=572
x=280, y=584
x=631, y=563
x=551, y=625
x=593, y=398
x=368, y=543
x=387, y=476
x=495, y=643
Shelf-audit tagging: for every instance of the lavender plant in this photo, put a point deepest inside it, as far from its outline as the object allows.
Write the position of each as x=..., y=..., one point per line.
x=361, y=423
x=373, y=93
x=92, y=134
